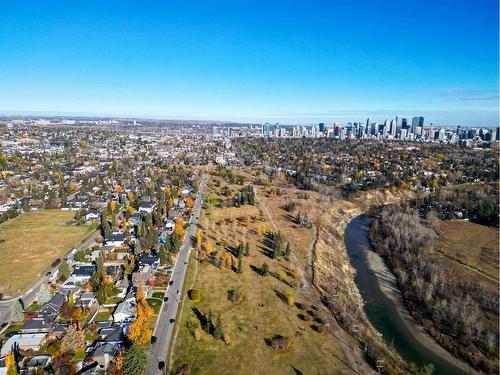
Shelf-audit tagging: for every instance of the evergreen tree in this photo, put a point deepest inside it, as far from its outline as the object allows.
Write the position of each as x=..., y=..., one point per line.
x=64, y=270
x=135, y=360
x=218, y=332
x=43, y=295
x=16, y=312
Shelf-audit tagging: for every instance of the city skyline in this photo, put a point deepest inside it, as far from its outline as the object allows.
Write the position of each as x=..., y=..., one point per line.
x=253, y=62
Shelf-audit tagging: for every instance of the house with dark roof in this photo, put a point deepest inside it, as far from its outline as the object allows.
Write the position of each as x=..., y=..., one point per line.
x=50, y=309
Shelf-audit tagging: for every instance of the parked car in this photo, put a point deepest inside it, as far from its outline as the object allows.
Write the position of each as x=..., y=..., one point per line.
x=165, y=299
x=172, y=321
x=153, y=339
x=161, y=365
x=171, y=282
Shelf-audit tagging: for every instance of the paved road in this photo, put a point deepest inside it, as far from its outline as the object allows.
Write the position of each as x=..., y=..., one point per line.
x=29, y=296
x=164, y=328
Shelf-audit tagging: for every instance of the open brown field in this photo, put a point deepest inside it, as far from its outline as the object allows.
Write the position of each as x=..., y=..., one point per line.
x=261, y=314
x=472, y=244
x=29, y=244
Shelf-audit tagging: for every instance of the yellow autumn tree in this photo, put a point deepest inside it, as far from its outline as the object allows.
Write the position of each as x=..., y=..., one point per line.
x=198, y=239
x=167, y=190
x=189, y=202
x=139, y=331
x=170, y=202
x=179, y=227
x=209, y=247
x=10, y=363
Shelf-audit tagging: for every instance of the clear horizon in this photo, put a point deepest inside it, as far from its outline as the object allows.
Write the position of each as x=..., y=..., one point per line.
x=284, y=62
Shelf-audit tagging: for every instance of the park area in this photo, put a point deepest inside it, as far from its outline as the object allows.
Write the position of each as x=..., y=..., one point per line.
x=469, y=243
x=250, y=309
x=30, y=243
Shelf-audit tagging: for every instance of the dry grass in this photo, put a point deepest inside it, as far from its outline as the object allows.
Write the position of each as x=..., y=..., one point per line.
x=472, y=244
x=261, y=315
x=30, y=242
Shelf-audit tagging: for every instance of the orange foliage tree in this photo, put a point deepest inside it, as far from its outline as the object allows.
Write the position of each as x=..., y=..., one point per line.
x=179, y=227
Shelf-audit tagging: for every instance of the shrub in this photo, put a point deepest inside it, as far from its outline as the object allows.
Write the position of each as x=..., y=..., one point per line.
x=280, y=342
x=195, y=295
x=234, y=296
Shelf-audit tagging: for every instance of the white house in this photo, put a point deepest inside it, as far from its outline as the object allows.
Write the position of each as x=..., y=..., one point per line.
x=124, y=312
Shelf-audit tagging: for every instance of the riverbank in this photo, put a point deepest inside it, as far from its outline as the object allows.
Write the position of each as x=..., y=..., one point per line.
x=388, y=285
x=333, y=276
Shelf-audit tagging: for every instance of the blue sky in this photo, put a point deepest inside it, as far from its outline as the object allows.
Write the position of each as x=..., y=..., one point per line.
x=276, y=61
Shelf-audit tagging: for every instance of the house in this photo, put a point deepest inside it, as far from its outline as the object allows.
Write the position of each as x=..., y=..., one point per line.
x=104, y=355
x=169, y=226
x=26, y=341
x=147, y=207
x=116, y=239
x=86, y=300
x=36, y=325
x=150, y=260
x=124, y=312
x=82, y=274
x=136, y=219
x=112, y=335
x=90, y=217
x=38, y=362
x=51, y=308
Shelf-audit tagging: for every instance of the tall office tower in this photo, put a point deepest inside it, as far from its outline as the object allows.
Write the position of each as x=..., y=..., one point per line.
x=322, y=127
x=374, y=129
x=214, y=131
x=367, y=124
x=404, y=123
x=398, y=124
x=393, y=128
x=416, y=122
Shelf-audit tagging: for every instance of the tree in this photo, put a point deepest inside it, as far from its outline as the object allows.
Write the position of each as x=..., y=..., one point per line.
x=218, y=331
x=290, y=299
x=264, y=270
x=135, y=360
x=117, y=367
x=43, y=295
x=189, y=202
x=73, y=340
x=64, y=270
x=16, y=311
x=198, y=239
x=179, y=227
x=10, y=363
x=240, y=265
x=63, y=364
x=282, y=275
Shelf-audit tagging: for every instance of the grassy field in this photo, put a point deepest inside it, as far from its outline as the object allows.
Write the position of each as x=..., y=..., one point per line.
x=260, y=315
x=29, y=244
x=472, y=244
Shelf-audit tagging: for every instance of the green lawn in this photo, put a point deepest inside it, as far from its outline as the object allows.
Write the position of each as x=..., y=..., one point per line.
x=29, y=244
x=102, y=315
x=155, y=304
x=158, y=295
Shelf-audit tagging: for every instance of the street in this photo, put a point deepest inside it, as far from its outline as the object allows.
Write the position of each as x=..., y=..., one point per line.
x=164, y=328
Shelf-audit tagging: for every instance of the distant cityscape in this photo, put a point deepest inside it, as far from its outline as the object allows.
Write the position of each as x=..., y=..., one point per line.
x=400, y=128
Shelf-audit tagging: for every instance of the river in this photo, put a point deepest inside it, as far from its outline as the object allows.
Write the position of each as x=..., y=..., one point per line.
x=383, y=305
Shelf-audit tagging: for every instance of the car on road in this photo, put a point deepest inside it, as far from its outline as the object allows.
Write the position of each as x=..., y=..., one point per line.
x=171, y=282
x=161, y=365
x=172, y=321
x=165, y=299
x=177, y=292
x=48, y=274
x=153, y=339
